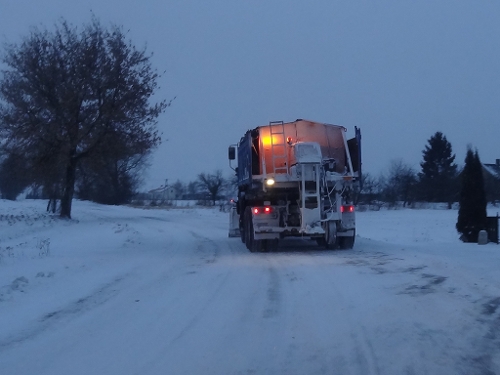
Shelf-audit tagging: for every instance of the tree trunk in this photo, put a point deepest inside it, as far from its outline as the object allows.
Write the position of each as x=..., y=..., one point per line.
x=69, y=189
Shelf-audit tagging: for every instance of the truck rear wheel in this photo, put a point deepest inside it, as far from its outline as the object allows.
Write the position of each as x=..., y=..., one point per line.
x=252, y=244
x=331, y=240
x=242, y=229
x=247, y=217
x=255, y=245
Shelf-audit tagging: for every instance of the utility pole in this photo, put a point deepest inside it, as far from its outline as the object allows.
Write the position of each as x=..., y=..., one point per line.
x=165, y=189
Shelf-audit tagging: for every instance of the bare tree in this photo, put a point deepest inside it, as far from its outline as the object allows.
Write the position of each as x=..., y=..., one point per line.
x=179, y=188
x=67, y=92
x=193, y=188
x=112, y=174
x=231, y=185
x=401, y=183
x=371, y=188
x=213, y=184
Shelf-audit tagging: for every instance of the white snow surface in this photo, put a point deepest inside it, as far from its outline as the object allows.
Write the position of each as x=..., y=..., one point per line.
x=120, y=290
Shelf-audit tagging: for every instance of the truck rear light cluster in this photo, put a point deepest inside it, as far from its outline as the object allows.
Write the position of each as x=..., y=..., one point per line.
x=349, y=208
x=262, y=210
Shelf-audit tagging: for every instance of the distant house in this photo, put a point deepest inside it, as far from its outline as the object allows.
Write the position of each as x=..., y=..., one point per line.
x=163, y=193
x=491, y=173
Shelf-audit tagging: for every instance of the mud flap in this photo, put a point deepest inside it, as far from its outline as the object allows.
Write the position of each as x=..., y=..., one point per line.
x=234, y=223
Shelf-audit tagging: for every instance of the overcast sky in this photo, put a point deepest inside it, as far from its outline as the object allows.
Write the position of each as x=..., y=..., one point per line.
x=400, y=70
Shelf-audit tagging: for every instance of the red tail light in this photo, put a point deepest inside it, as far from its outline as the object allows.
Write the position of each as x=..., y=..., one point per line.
x=262, y=210
x=346, y=209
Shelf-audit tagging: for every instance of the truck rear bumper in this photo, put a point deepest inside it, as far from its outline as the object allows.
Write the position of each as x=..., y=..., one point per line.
x=278, y=232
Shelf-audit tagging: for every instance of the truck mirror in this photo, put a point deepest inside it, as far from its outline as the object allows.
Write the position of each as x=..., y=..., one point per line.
x=231, y=153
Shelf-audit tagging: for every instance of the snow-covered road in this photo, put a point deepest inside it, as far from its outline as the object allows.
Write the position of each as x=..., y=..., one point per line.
x=132, y=291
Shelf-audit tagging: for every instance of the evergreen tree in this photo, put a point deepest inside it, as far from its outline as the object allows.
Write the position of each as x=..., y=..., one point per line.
x=14, y=176
x=438, y=179
x=472, y=212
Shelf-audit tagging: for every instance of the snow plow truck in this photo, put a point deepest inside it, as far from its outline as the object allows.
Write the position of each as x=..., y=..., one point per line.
x=296, y=179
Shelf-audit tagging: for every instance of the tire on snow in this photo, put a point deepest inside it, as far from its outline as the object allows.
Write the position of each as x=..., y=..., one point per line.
x=330, y=240
x=252, y=244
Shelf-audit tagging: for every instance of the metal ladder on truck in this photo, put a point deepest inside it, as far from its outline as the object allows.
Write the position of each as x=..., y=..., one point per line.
x=278, y=147
x=310, y=205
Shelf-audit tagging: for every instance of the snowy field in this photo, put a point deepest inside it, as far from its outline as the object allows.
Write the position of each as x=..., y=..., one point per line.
x=122, y=291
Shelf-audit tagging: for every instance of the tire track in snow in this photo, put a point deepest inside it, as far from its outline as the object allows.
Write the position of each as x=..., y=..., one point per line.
x=354, y=353
x=206, y=248
x=196, y=318
x=486, y=358
x=478, y=354
x=273, y=295
x=189, y=313
x=71, y=311
x=208, y=251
